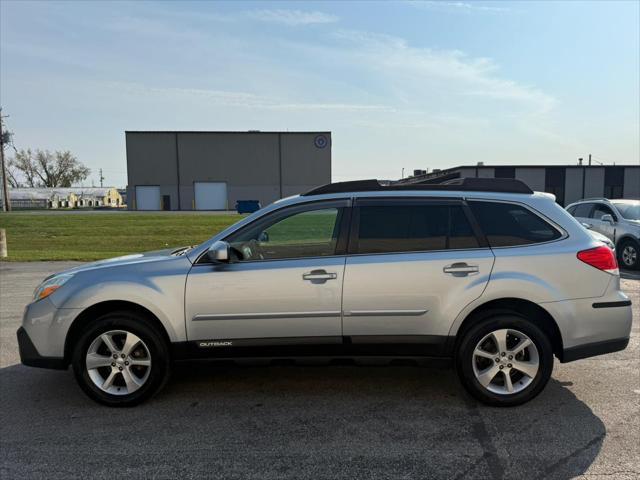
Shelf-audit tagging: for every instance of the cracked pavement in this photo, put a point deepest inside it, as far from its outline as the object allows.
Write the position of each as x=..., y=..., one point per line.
x=314, y=421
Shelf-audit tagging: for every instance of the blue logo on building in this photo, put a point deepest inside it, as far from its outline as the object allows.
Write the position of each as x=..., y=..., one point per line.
x=321, y=141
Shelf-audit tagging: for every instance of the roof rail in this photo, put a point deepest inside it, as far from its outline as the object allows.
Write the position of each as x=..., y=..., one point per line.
x=502, y=185
x=593, y=198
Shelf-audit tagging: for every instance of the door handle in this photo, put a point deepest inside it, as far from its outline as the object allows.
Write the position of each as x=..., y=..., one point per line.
x=461, y=269
x=319, y=275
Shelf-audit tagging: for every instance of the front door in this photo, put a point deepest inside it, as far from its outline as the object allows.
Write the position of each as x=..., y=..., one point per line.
x=415, y=264
x=283, y=284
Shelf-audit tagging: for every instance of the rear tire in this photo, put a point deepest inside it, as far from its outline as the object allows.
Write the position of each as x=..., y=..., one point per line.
x=120, y=359
x=628, y=254
x=506, y=376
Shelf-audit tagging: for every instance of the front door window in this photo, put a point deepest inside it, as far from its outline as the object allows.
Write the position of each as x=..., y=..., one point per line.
x=311, y=233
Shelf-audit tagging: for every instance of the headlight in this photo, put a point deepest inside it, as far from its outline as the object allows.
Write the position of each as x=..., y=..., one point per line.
x=50, y=285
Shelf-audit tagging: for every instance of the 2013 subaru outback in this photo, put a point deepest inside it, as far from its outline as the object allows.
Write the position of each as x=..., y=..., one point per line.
x=486, y=272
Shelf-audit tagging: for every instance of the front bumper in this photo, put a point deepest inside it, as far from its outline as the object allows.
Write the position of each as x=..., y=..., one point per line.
x=29, y=354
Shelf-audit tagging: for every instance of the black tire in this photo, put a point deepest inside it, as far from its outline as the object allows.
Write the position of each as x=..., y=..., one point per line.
x=465, y=359
x=153, y=340
x=628, y=243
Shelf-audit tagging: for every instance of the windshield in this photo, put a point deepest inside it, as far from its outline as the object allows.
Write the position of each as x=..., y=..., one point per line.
x=630, y=211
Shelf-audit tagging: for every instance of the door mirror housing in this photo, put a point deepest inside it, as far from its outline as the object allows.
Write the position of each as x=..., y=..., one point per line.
x=607, y=218
x=219, y=252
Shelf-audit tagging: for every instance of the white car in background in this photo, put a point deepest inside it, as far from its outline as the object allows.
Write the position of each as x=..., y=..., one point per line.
x=618, y=220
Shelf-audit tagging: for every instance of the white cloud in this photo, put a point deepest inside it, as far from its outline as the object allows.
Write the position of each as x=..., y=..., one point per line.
x=463, y=7
x=239, y=99
x=417, y=74
x=292, y=17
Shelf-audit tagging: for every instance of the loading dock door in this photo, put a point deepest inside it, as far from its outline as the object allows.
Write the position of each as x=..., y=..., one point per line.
x=148, y=198
x=210, y=195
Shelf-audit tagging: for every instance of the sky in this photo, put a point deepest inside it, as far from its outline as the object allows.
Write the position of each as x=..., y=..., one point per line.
x=401, y=85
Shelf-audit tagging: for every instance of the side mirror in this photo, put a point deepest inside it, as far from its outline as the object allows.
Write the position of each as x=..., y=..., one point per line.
x=588, y=226
x=607, y=218
x=219, y=252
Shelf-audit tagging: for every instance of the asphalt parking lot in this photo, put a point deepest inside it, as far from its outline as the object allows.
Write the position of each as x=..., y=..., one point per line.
x=314, y=422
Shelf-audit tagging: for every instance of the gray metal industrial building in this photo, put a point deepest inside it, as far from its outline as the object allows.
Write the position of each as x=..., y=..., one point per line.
x=213, y=170
x=567, y=182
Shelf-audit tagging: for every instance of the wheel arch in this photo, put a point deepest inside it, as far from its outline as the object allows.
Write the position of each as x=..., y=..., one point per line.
x=626, y=236
x=518, y=306
x=94, y=311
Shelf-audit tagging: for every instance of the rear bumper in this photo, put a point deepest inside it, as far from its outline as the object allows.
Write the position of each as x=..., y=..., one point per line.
x=594, y=349
x=29, y=354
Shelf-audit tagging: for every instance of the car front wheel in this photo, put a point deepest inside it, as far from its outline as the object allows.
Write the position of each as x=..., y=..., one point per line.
x=120, y=360
x=504, y=360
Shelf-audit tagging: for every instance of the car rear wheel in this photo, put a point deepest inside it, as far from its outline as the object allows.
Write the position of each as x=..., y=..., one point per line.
x=629, y=254
x=121, y=360
x=504, y=360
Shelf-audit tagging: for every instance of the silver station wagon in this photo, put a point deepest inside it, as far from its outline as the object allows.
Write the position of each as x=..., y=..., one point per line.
x=483, y=272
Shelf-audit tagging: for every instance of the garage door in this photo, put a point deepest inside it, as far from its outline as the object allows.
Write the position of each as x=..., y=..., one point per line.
x=148, y=198
x=211, y=195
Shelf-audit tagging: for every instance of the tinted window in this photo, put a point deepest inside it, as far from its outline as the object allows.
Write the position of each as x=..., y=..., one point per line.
x=312, y=233
x=582, y=210
x=601, y=210
x=506, y=224
x=412, y=228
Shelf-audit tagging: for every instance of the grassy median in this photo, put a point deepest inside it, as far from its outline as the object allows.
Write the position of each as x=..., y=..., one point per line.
x=94, y=236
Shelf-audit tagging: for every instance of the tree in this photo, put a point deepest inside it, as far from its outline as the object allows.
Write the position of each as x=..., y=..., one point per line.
x=43, y=168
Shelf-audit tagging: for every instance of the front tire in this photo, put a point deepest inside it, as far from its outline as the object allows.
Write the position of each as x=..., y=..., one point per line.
x=629, y=254
x=120, y=360
x=504, y=360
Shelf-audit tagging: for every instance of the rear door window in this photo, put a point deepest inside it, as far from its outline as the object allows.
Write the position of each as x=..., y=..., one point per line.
x=582, y=210
x=508, y=224
x=411, y=227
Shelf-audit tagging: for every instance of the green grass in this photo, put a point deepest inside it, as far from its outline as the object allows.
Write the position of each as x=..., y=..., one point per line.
x=60, y=236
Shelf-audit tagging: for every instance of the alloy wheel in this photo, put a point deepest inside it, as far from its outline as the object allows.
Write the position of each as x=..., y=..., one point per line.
x=629, y=255
x=118, y=362
x=505, y=361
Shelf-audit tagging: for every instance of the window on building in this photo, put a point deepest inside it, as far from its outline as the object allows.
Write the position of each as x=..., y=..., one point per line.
x=554, y=182
x=413, y=228
x=506, y=224
x=614, y=182
x=505, y=172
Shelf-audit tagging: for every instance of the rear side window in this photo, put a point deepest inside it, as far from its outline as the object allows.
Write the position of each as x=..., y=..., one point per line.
x=413, y=228
x=507, y=224
x=582, y=210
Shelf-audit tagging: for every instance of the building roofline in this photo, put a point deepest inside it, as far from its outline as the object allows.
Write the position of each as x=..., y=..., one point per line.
x=271, y=132
x=450, y=169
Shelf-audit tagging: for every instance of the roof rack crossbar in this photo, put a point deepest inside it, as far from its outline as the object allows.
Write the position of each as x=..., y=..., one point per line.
x=502, y=185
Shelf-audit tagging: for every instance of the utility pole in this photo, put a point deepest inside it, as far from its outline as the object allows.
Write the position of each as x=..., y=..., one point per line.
x=589, y=159
x=101, y=178
x=6, y=204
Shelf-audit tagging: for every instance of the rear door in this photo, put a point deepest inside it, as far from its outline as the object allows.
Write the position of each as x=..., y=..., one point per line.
x=413, y=265
x=599, y=225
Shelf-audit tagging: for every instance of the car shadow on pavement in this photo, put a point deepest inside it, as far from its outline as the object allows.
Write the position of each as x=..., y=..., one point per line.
x=292, y=422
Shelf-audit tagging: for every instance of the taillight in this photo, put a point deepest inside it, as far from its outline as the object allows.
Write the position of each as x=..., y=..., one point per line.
x=601, y=258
